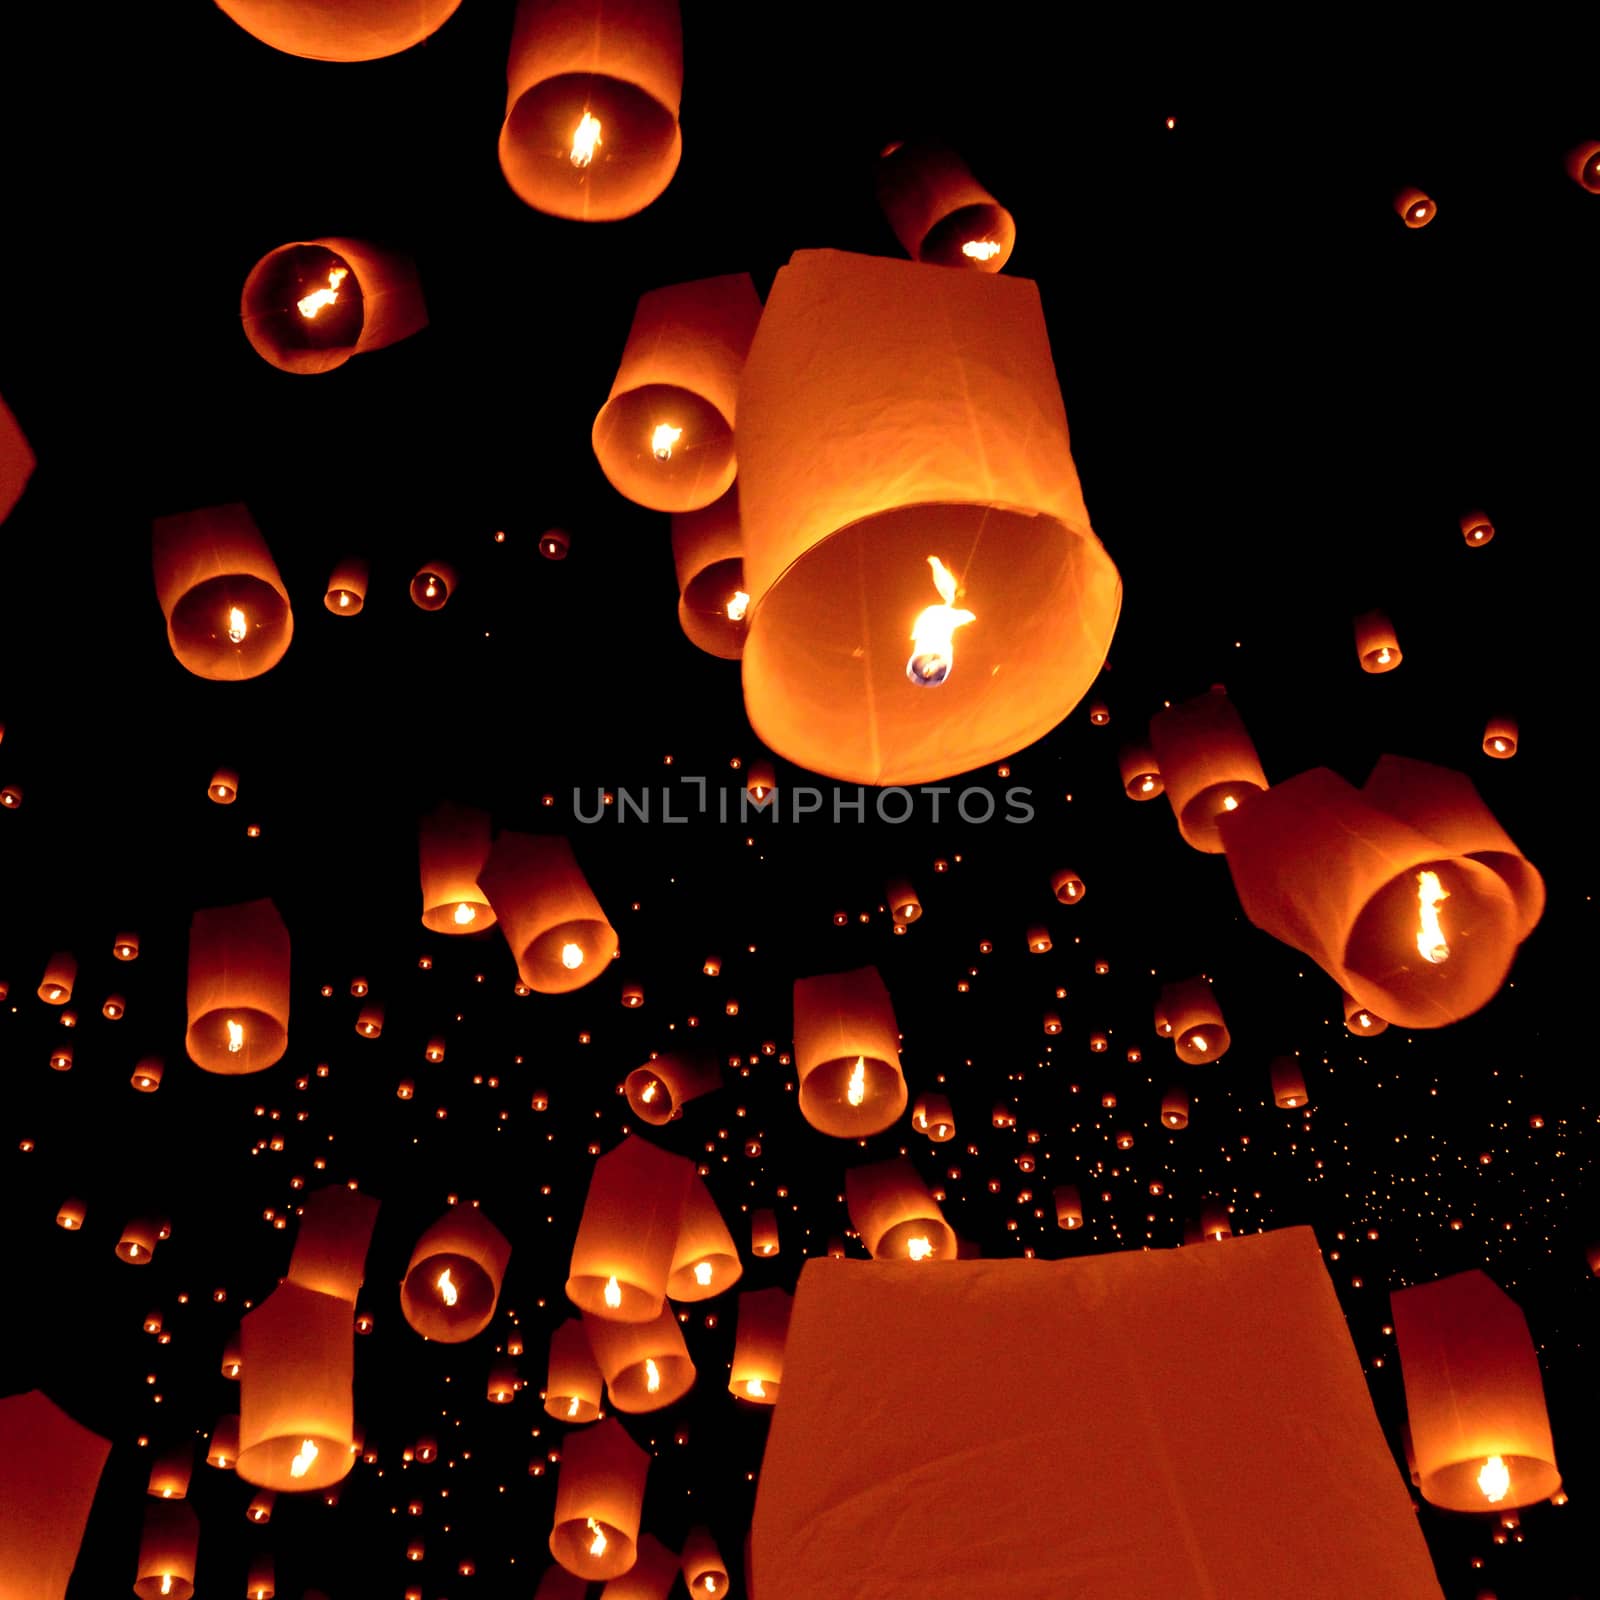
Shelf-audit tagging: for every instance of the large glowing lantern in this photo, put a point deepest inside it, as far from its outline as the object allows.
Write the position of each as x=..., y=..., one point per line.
x=296, y=1414
x=646, y=1365
x=1406, y=892
x=1476, y=528
x=847, y=1051
x=665, y=435
x=558, y=934
x=452, y=846
x=708, y=552
x=627, y=1236
x=227, y=610
x=651, y=1577
x=167, y=1552
x=49, y=1469
x=573, y=1379
x=757, y=1371
x=1288, y=1084
x=599, y=1500
x=1376, y=644
x=1500, y=738
x=705, y=1573
x=453, y=1281
x=1474, y=1398
x=1208, y=764
x=310, y=305
x=593, y=87
x=17, y=461
x=1195, y=1021
x=705, y=1260
x=340, y=30
x=238, y=988
x=330, y=1248
x=939, y=212
x=658, y=1090
x=926, y=592
x=896, y=1217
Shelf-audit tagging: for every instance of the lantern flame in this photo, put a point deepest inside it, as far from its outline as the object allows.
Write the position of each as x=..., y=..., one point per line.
x=447, y=1290
x=933, y=633
x=572, y=1406
x=756, y=1389
x=710, y=1580
x=980, y=249
x=572, y=956
x=1199, y=1042
x=344, y=598
x=465, y=914
x=738, y=605
x=1494, y=1479
x=302, y=1462
x=318, y=298
x=1499, y=744
x=235, y=1036
x=166, y=1583
x=613, y=1294
x=856, y=1091
x=238, y=625
x=1229, y=803
x=585, y=140
x=1383, y=654
x=919, y=1249
x=702, y=1274
x=649, y=1092
x=598, y=1547
x=1431, y=945
x=663, y=439
x=652, y=1377
x=1146, y=785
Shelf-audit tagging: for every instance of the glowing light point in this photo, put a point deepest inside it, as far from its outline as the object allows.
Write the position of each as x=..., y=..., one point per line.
x=933, y=646
x=1200, y=1042
x=572, y=1406
x=663, y=439
x=1383, y=656
x=302, y=1462
x=235, y=1036
x=447, y=1290
x=1499, y=744
x=649, y=1092
x=919, y=1249
x=1229, y=803
x=1495, y=1480
x=1431, y=945
x=1147, y=785
x=613, y=1295
x=856, y=1091
x=598, y=1547
x=702, y=1274
x=311, y=304
x=465, y=914
x=738, y=605
x=756, y=1389
x=980, y=249
x=652, y=1377
x=572, y=956
x=585, y=140
x=166, y=1583
x=238, y=625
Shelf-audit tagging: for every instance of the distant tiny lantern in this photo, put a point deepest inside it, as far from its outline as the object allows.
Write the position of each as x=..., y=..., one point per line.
x=232, y=1357
x=261, y=1583
x=1066, y=886
x=167, y=1551
x=1099, y=714
x=705, y=1574
x=224, y=786
x=573, y=1381
x=940, y=213
x=633, y=995
x=658, y=1090
x=434, y=1052
x=238, y=997
x=259, y=1511
x=599, y=1501
x=1141, y=776
x=1376, y=644
x=452, y=846
x=61, y=1058
x=1098, y=1043
x=847, y=1052
x=705, y=1260
x=1288, y=1084
x=1199, y=1034
x=433, y=585
x=502, y=1384
x=763, y=1327
x=1175, y=1108
x=60, y=973
x=896, y=1217
x=1039, y=940
x=1069, y=1207
x=1500, y=738
x=932, y=1115
x=552, y=921
x=453, y=1282
x=1052, y=1023
x=346, y=593
x=903, y=903
x=1476, y=528
x=1208, y=764
x=1414, y=208
x=1215, y=1223
x=646, y=1365
x=708, y=552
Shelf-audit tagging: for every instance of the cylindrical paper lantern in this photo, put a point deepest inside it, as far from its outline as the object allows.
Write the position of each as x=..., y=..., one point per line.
x=705, y=1574
x=238, y=988
x=1583, y=165
x=224, y=786
x=627, y=1236
x=369, y=1020
x=599, y=1499
x=61, y=1058
x=847, y=1052
x=60, y=973
x=1069, y=1207
x=453, y=1282
x=664, y=438
x=126, y=947
x=137, y=1243
x=1476, y=528
x=17, y=461
x=1208, y=764
x=757, y=1372
x=1066, y=886
x=892, y=416
x=259, y=1510
x=760, y=780
x=167, y=1551
x=708, y=552
x=503, y=1383
x=330, y=1248
x=1199, y=1034
x=903, y=903
x=940, y=213
x=705, y=1260
x=232, y=1356
x=932, y=1115
x=1414, y=208
x=573, y=1380
x=432, y=586
x=70, y=1214
x=49, y=1470
x=557, y=932
x=1500, y=738
x=147, y=1075
x=593, y=87
x=1288, y=1084
x=764, y=1240
x=261, y=1584
x=340, y=30
x=657, y=1090
x=1474, y=1398
x=223, y=1450
x=1175, y=1108
x=452, y=846
x=1215, y=1223
x=346, y=593
x=171, y=1470
x=227, y=610
x=1361, y=1019
x=651, y=1577
x=646, y=1365
x=555, y=544
x=1376, y=644
x=1052, y=1023
x=897, y=1218
x=1141, y=775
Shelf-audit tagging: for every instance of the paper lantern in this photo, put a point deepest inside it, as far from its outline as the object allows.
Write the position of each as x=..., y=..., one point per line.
x=1414, y=208
x=60, y=973
x=227, y=610
x=557, y=932
x=646, y=1365
x=657, y=1090
x=223, y=1450
x=558, y=1584
x=940, y=213
x=903, y=903
x=114, y=1007
x=232, y=1356
x=503, y=1383
x=433, y=585
x=627, y=1236
x=708, y=552
x=453, y=845
x=1215, y=1222
x=757, y=1371
x=632, y=995
x=126, y=947
x=1194, y=1018
x=61, y=1058
x=340, y=30
x=764, y=1240
x=599, y=1499
x=1052, y=1023
x=664, y=437
x=555, y=544
x=1583, y=165
x=573, y=1380
x=705, y=1260
x=11, y=796
x=346, y=593
x=330, y=1248
x=651, y=1577
x=70, y=1214
x=224, y=786
x=1500, y=738
x=705, y=1574
x=453, y=1281
x=49, y=1471
x=167, y=1551
x=1069, y=1207
x=171, y=1470
x=238, y=988
x=1141, y=775
x=260, y=1585
x=1474, y=1399
x=1376, y=645
x=1288, y=1084
x=1361, y=1019
x=890, y=415
x=259, y=1510
x=1066, y=886
x=760, y=781
x=1175, y=1108
x=896, y=1217
x=137, y=1242
x=932, y=1115
x=17, y=461
x=847, y=1052
x=1208, y=764
x=1476, y=528
x=369, y=1020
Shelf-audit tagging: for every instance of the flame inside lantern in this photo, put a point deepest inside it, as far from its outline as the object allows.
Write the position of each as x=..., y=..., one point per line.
x=702, y=1274
x=613, y=1293
x=755, y=1388
x=738, y=605
x=465, y=914
x=980, y=249
x=311, y=304
x=856, y=1091
x=235, y=1036
x=649, y=1091
x=447, y=1290
x=238, y=625
x=302, y=1462
x=919, y=1249
x=1431, y=945
x=1199, y=1042
x=1495, y=1480
x=652, y=1377
x=166, y=1583
x=572, y=956
x=933, y=633
x=598, y=1547
x=585, y=140
x=663, y=439
x=572, y=1406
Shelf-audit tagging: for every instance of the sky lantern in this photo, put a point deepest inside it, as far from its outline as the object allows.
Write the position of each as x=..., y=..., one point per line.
x=1474, y=1399
x=927, y=594
x=593, y=87
x=932, y=1115
x=340, y=30
x=136, y=1244
x=1414, y=208
x=227, y=611
x=760, y=780
x=1288, y=1084
x=330, y=1247
x=432, y=585
x=1141, y=775
x=346, y=593
x=171, y=1470
x=573, y=1379
x=17, y=461
x=1360, y=1019
x=1175, y=1108
x=60, y=973
x=940, y=213
x=599, y=1501
x=224, y=786
x=705, y=1573
x=1476, y=529
x=503, y=1382
x=1194, y=1018
x=452, y=846
x=261, y=1583
x=310, y=305
x=646, y=1365
x=1500, y=738
x=232, y=1356
x=1583, y=165
x=651, y=1577
x=557, y=932
x=664, y=437
x=223, y=1450
x=757, y=1371
x=126, y=946
x=627, y=1237
x=897, y=1218
x=167, y=1551
x=847, y=1052
x=705, y=1260
x=49, y=1471
x=708, y=552
x=238, y=994
x=1376, y=645
x=70, y=1214
x=764, y=1237
x=259, y=1511
x=453, y=1282
x=658, y=1090
x=1216, y=1224
x=904, y=906
x=1066, y=886
x=1208, y=764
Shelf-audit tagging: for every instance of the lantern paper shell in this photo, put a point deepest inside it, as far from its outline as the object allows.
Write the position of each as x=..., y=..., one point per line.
x=1175, y=1109
x=261, y=1584
x=1141, y=775
x=651, y=1577
x=619, y=62
x=433, y=585
x=260, y=1508
x=1414, y=208
x=679, y=370
x=209, y=565
x=1207, y=760
x=903, y=903
x=1215, y=1222
x=1500, y=738
x=223, y=1451
x=1473, y=1392
x=340, y=30
x=1199, y=1034
x=764, y=1240
x=890, y=1207
x=60, y=973
x=238, y=988
x=622, y=1351
x=840, y=1019
x=890, y=413
x=467, y=1245
x=628, y=1232
x=1288, y=1084
x=703, y=1241
x=17, y=461
x=330, y=1249
x=757, y=1372
x=1361, y=1019
x=1069, y=1207
x=932, y=1115
x=126, y=947
x=1066, y=886
x=369, y=1021
x=167, y=1551
x=704, y=1571
x=1476, y=529
x=1583, y=165
x=137, y=1243
x=760, y=780
x=452, y=847
x=940, y=213
x=602, y=1480
x=573, y=1375
x=232, y=1357
x=49, y=1471
x=544, y=905
x=658, y=1090
x=346, y=593
x=171, y=1470
x=708, y=552
x=70, y=1214
x=224, y=786
x=1376, y=644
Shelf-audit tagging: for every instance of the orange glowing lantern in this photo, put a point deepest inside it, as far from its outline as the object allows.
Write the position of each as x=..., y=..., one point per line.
x=940, y=213
x=260, y=1584
x=764, y=1240
x=60, y=973
x=896, y=1217
x=847, y=1051
x=11, y=796
x=17, y=461
x=171, y=1470
x=70, y=1214
x=1360, y=1019
x=137, y=1242
x=1474, y=1398
x=223, y=1451
x=1583, y=165
x=1141, y=776
x=557, y=932
x=340, y=30
x=433, y=585
x=705, y=1260
x=1175, y=1108
x=1215, y=1222
x=232, y=1357
x=1414, y=208
x=1208, y=764
x=658, y=1090
x=1376, y=645
x=599, y=1500
x=932, y=1115
x=330, y=1248
x=369, y=1020
x=1099, y=1043
x=1288, y=1084
x=1476, y=528
x=1039, y=940
x=1500, y=738
x=708, y=552
x=224, y=786
x=453, y=1282
x=346, y=593
x=1194, y=1020
x=705, y=1574
x=503, y=1383
x=114, y=1007
x=627, y=1236
x=126, y=947
x=573, y=1380
x=633, y=995
x=453, y=845
x=1066, y=886
x=646, y=1365
x=259, y=1510
x=238, y=988
x=61, y=1058
x=49, y=1470
x=1052, y=1023
x=757, y=1372
x=555, y=544
x=903, y=903
x=760, y=780
x=1069, y=1207
x=167, y=1551
x=927, y=594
